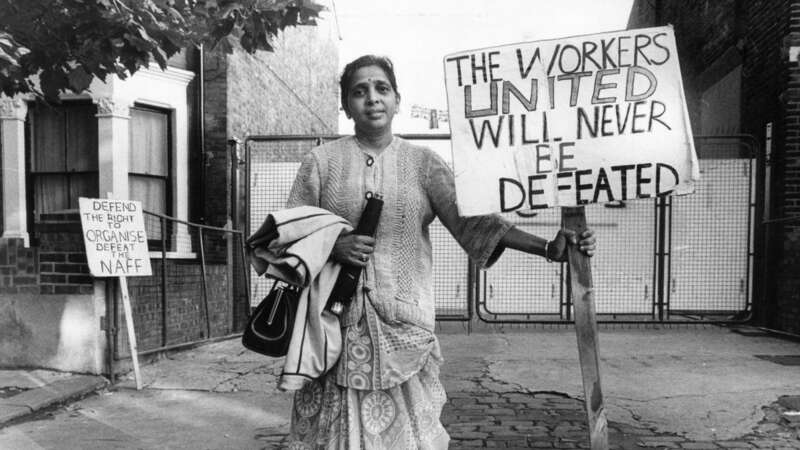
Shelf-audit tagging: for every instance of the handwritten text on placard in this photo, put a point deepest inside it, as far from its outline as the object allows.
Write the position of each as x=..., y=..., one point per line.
x=566, y=122
x=115, y=238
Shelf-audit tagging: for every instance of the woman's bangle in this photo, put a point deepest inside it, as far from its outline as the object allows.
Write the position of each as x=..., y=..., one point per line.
x=547, y=251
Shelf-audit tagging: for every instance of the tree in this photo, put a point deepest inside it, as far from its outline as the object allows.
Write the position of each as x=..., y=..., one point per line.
x=66, y=43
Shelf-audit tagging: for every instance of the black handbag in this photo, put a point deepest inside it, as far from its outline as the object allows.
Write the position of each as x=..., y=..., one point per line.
x=269, y=330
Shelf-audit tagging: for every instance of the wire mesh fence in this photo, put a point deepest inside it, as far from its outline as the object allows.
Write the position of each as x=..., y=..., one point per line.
x=710, y=233
x=658, y=259
x=197, y=290
x=521, y=284
x=269, y=188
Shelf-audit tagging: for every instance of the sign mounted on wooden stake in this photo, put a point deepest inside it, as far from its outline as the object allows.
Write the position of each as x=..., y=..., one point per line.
x=567, y=122
x=116, y=246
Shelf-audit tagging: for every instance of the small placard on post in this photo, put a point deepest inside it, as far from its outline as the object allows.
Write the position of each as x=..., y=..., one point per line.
x=115, y=238
x=116, y=246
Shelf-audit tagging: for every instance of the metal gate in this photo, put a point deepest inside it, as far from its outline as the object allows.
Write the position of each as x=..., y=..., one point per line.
x=673, y=259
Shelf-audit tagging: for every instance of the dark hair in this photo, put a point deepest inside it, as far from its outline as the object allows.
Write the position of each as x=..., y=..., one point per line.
x=364, y=61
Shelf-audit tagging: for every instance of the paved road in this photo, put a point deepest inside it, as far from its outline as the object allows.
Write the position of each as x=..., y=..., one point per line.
x=681, y=388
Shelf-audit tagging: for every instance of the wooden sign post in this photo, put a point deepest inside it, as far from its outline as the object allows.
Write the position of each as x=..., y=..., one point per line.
x=116, y=246
x=126, y=306
x=582, y=291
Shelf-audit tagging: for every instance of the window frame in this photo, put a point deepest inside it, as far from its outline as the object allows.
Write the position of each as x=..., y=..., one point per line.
x=31, y=174
x=170, y=177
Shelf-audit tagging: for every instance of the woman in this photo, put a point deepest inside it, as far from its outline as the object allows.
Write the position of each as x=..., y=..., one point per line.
x=385, y=392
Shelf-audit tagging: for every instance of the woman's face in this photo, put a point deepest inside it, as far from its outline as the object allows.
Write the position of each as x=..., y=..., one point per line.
x=371, y=100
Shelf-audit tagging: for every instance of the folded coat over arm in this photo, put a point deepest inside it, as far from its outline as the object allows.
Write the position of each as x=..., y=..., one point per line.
x=294, y=245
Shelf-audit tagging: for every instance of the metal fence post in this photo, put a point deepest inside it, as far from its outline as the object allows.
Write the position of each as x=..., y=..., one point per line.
x=164, y=327
x=205, y=286
x=662, y=272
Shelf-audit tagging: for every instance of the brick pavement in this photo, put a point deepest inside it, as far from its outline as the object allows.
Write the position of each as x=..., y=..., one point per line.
x=551, y=420
x=555, y=421
x=488, y=405
x=486, y=412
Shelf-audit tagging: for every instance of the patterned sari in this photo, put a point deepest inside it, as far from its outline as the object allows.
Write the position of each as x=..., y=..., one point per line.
x=384, y=393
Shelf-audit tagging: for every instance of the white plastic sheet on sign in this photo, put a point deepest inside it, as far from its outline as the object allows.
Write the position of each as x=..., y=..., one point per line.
x=566, y=122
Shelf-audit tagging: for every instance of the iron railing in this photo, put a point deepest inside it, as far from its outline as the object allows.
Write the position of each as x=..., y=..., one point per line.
x=197, y=292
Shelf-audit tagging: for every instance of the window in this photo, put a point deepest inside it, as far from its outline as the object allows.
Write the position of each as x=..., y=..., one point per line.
x=62, y=156
x=149, y=164
x=149, y=168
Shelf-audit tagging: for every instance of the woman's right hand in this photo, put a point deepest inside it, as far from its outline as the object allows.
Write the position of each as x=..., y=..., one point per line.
x=353, y=249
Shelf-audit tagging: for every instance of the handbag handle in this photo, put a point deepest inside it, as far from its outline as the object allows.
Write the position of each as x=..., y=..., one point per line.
x=275, y=304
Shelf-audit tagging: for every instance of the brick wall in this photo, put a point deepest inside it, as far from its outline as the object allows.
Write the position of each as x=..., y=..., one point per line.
x=55, y=265
x=185, y=311
x=765, y=100
x=18, y=274
x=293, y=90
x=704, y=32
x=62, y=256
x=215, y=167
x=787, y=295
x=790, y=98
x=759, y=34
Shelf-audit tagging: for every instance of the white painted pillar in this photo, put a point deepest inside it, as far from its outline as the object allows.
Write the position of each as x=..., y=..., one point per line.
x=15, y=209
x=180, y=196
x=181, y=158
x=113, y=145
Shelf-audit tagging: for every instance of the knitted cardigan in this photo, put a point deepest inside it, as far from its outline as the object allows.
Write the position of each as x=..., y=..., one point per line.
x=417, y=186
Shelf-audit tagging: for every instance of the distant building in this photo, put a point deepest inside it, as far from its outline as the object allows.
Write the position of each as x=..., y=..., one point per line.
x=160, y=137
x=741, y=72
x=434, y=116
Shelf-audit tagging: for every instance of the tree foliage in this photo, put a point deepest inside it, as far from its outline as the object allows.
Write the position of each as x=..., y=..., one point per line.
x=68, y=42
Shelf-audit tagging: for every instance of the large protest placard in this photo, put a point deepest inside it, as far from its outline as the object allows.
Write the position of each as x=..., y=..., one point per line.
x=566, y=122
x=115, y=238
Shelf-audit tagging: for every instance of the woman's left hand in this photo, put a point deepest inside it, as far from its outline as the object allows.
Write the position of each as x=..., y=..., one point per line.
x=557, y=249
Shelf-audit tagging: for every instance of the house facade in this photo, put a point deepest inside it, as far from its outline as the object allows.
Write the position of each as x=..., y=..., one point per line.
x=160, y=137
